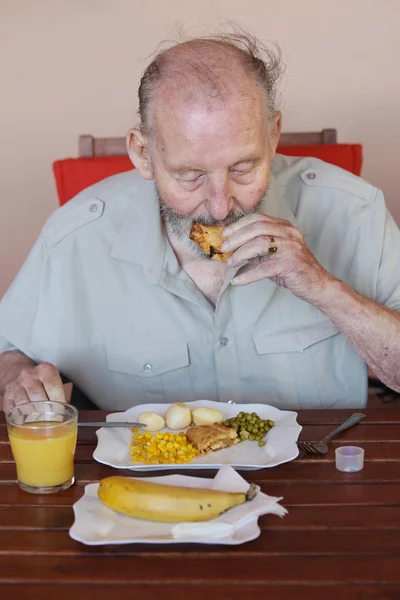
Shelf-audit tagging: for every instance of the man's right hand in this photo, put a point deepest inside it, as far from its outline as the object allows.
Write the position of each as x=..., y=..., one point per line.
x=34, y=383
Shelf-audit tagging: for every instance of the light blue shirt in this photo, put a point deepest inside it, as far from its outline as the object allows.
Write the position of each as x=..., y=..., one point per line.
x=102, y=297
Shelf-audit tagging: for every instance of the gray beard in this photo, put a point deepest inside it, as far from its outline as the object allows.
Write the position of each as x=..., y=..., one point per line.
x=180, y=225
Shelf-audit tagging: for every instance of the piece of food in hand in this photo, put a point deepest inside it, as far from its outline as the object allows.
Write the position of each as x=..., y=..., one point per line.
x=172, y=504
x=162, y=448
x=178, y=416
x=206, y=416
x=210, y=239
x=152, y=420
x=208, y=438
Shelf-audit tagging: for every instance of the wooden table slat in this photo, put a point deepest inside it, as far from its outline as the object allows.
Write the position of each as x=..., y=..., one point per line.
x=205, y=565
x=273, y=542
x=93, y=590
x=296, y=471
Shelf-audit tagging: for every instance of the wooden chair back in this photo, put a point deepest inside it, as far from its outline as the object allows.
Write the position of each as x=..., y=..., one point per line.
x=90, y=146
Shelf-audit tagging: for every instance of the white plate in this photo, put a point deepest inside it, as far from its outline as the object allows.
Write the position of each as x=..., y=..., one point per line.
x=280, y=442
x=96, y=524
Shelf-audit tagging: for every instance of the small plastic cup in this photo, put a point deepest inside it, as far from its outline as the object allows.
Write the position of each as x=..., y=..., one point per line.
x=349, y=458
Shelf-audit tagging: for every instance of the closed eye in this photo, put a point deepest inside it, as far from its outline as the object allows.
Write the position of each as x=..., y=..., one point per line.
x=243, y=168
x=242, y=171
x=189, y=176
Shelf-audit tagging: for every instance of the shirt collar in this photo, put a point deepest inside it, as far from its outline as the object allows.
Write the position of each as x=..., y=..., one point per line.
x=275, y=203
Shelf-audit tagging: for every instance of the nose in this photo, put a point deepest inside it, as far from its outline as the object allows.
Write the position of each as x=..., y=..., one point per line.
x=219, y=198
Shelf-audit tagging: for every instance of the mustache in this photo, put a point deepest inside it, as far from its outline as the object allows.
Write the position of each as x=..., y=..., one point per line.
x=232, y=217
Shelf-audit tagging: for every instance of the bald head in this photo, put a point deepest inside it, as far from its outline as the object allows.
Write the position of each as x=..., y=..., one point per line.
x=212, y=72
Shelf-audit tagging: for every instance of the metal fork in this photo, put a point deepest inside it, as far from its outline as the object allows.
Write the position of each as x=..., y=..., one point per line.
x=321, y=447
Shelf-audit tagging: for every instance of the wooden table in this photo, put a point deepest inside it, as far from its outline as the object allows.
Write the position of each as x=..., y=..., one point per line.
x=340, y=540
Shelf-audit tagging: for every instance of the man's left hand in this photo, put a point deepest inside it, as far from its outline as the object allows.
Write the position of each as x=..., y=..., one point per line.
x=293, y=265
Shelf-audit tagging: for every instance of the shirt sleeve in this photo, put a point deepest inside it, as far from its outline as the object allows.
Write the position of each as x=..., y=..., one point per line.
x=5, y=345
x=388, y=285
x=19, y=305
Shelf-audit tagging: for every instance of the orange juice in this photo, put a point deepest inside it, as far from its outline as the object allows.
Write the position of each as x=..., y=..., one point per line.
x=44, y=452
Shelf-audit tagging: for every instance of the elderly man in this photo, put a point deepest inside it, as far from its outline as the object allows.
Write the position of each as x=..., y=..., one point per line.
x=117, y=297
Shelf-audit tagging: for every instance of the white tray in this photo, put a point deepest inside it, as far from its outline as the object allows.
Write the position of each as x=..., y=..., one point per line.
x=95, y=524
x=280, y=442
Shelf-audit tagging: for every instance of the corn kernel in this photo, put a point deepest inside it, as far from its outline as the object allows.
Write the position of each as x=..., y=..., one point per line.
x=161, y=448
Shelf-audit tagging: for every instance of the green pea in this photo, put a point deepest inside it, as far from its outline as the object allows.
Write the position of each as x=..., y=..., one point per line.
x=251, y=437
x=261, y=444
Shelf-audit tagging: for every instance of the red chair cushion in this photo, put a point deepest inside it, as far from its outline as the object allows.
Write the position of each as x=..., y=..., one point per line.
x=346, y=156
x=73, y=175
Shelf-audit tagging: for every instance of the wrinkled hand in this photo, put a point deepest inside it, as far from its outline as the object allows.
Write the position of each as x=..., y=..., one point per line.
x=33, y=384
x=293, y=265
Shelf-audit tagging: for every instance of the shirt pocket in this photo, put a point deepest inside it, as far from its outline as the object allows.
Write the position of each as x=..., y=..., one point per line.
x=161, y=370
x=295, y=364
x=293, y=340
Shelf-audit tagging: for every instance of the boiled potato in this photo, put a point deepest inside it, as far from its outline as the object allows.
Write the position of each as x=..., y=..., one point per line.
x=178, y=416
x=207, y=416
x=152, y=420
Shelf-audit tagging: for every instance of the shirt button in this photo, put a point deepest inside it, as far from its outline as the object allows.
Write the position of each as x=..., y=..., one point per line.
x=311, y=175
x=93, y=208
x=224, y=341
x=147, y=367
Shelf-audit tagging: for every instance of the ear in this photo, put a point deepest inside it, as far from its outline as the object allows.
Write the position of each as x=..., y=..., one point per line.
x=137, y=147
x=275, y=131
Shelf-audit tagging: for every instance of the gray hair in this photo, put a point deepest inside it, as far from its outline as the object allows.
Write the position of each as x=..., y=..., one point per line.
x=263, y=64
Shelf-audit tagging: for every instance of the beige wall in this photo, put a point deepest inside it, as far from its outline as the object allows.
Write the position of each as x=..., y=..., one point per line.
x=70, y=67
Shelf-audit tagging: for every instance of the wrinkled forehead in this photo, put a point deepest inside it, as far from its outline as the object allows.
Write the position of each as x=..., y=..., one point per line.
x=194, y=117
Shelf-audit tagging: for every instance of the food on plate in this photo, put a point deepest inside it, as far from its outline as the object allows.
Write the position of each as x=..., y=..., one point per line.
x=208, y=438
x=173, y=504
x=210, y=239
x=152, y=420
x=206, y=416
x=249, y=426
x=178, y=416
x=162, y=448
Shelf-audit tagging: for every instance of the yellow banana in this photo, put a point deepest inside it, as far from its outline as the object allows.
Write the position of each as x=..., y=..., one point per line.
x=157, y=502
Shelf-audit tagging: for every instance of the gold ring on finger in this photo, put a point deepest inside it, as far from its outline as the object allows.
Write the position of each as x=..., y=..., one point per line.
x=273, y=246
